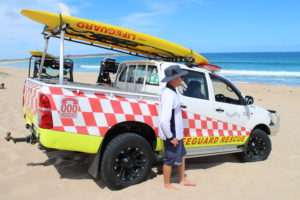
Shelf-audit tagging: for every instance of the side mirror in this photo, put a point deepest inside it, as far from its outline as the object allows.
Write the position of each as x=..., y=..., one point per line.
x=249, y=100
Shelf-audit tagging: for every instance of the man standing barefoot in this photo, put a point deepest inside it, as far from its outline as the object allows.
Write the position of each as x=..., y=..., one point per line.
x=171, y=127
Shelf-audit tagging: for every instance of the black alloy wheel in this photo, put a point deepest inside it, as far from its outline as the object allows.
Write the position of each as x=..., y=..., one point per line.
x=129, y=163
x=258, y=147
x=127, y=160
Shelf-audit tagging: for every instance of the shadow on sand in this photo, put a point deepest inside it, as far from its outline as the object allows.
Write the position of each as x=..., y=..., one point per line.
x=74, y=165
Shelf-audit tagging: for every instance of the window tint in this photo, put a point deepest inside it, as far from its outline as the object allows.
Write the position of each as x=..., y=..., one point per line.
x=224, y=91
x=123, y=74
x=139, y=74
x=194, y=85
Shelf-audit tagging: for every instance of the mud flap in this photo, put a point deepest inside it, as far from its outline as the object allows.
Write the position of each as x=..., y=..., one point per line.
x=94, y=167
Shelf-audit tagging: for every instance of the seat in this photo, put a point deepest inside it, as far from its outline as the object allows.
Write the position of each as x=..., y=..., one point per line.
x=194, y=90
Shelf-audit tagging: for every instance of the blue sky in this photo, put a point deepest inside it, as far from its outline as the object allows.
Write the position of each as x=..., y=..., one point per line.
x=202, y=25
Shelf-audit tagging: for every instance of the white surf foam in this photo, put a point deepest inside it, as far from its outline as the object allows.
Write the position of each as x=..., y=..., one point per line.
x=260, y=73
x=90, y=66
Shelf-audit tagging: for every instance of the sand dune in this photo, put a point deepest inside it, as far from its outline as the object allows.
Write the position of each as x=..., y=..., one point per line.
x=29, y=173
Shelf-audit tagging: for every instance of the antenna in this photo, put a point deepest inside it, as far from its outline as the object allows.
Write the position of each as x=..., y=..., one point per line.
x=64, y=9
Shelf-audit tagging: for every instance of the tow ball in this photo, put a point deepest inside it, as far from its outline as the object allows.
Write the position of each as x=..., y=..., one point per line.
x=32, y=139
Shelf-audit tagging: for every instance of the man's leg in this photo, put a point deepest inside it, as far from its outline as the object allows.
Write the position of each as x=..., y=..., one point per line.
x=181, y=170
x=167, y=177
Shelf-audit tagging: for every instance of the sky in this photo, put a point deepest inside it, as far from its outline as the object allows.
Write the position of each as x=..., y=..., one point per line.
x=206, y=26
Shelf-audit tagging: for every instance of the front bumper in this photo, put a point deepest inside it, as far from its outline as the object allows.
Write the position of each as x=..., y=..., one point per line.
x=274, y=123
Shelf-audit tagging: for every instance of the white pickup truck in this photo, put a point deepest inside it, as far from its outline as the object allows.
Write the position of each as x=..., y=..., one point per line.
x=117, y=120
x=119, y=123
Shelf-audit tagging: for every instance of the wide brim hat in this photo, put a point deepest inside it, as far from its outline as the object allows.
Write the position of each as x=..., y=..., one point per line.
x=172, y=72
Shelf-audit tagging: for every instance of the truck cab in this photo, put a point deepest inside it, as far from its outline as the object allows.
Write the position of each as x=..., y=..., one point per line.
x=202, y=89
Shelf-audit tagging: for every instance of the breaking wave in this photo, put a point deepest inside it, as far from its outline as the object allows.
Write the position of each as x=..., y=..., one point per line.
x=259, y=73
x=90, y=66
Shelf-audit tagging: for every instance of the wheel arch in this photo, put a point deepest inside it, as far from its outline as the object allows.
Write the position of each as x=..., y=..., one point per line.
x=135, y=127
x=262, y=127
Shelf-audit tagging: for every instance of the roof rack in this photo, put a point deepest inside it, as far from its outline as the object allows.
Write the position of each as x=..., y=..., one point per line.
x=100, y=41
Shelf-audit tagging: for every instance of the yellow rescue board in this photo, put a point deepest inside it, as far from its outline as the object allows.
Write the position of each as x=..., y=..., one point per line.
x=113, y=36
x=40, y=54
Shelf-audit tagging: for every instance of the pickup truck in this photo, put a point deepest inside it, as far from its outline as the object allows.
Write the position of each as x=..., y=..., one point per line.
x=118, y=123
x=117, y=118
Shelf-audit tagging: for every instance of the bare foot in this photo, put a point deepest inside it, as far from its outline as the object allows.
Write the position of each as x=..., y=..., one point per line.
x=187, y=183
x=171, y=187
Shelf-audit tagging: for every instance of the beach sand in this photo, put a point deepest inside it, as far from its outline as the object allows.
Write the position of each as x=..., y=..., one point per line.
x=29, y=173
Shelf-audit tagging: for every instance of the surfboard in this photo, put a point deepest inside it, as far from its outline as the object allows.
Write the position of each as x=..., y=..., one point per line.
x=114, y=37
x=40, y=54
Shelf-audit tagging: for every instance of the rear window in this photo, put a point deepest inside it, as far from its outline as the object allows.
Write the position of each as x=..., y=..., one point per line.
x=137, y=74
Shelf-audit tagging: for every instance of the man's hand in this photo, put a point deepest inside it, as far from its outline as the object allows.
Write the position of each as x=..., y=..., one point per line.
x=174, y=141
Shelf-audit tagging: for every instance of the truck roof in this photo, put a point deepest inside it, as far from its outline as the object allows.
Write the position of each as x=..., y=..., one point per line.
x=165, y=64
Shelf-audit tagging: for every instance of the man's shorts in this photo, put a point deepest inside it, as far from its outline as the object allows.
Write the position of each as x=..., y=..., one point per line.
x=173, y=155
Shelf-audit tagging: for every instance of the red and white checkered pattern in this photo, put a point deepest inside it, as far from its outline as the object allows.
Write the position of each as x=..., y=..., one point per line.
x=31, y=97
x=99, y=112
x=199, y=126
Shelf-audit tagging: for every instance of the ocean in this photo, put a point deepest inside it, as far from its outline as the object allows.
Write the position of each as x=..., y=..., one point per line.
x=275, y=68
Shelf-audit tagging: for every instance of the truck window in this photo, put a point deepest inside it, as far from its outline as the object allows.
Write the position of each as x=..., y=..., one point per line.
x=122, y=76
x=224, y=91
x=194, y=85
x=139, y=74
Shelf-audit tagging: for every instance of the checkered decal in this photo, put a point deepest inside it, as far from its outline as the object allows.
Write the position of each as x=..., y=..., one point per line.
x=31, y=97
x=199, y=126
x=98, y=112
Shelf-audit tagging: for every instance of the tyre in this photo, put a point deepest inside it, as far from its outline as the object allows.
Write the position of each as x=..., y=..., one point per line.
x=257, y=148
x=127, y=160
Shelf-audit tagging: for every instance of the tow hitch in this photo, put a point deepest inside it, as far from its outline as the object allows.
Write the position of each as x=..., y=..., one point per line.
x=32, y=139
x=29, y=139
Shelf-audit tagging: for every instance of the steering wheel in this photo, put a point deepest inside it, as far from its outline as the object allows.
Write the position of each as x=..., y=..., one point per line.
x=220, y=97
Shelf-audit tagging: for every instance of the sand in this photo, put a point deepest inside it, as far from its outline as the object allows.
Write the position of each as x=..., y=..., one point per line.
x=29, y=173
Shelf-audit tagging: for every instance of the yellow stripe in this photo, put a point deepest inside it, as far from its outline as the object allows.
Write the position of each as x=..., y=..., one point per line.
x=69, y=141
x=159, y=144
x=64, y=140
x=29, y=116
x=192, y=142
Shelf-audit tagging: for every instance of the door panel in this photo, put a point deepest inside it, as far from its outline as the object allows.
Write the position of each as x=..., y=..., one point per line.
x=207, y=122
x=229, y=105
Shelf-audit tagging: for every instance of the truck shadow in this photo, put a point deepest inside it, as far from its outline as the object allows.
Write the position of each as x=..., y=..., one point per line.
x=74, y=165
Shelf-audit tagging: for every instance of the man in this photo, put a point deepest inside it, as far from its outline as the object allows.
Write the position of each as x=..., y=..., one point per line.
x=171, y=127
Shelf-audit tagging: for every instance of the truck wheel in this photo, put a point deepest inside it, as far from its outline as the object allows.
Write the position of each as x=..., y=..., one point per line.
x=126, y=161
x=258, y=147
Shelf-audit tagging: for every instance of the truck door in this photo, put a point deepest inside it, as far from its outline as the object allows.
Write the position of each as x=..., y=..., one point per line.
x=196, y=102
x=229, y=103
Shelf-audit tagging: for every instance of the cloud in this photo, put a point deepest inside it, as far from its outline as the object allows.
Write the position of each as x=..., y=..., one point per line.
x=18, y=33
x=155, y=11
x=142, y=21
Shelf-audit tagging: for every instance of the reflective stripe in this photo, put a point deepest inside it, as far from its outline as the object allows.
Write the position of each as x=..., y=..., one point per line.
x=192, y=142
x=69, y=141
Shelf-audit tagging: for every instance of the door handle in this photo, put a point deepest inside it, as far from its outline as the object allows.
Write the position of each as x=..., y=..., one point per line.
x=183, y=106
x=219, y=110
